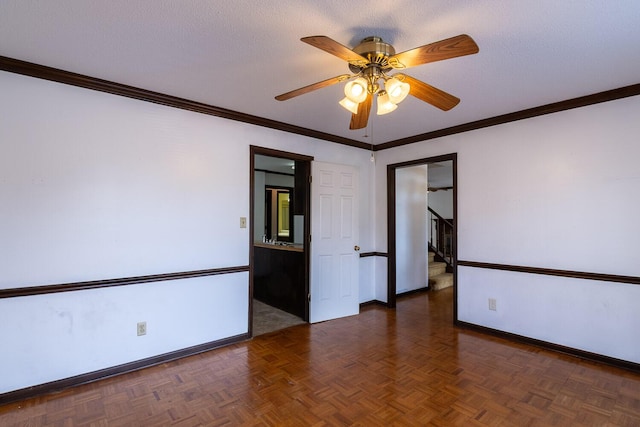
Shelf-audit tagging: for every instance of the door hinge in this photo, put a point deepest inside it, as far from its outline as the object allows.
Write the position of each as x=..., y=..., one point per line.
x=309, y=297
x=309, y=238
x=310, y=179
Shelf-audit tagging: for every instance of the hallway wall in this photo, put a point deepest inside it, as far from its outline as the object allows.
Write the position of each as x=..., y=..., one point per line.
x=411, y=228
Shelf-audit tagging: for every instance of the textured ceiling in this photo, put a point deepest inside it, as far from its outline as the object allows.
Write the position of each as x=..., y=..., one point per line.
x=239, y=55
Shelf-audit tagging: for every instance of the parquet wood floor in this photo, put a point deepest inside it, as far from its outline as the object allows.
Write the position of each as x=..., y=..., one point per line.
x=381, y=368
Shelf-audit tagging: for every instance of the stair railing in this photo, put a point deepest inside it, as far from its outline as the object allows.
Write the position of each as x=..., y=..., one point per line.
x=440, y=236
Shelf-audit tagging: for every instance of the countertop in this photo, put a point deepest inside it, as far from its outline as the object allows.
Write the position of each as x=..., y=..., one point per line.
x=287, y=247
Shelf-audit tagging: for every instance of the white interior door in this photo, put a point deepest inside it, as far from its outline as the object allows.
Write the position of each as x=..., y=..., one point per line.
x=334, y=240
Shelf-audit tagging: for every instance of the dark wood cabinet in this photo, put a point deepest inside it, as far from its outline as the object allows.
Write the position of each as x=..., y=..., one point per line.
x=278, y=278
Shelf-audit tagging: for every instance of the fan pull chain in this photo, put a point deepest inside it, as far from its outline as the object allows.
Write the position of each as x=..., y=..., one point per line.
x=373, y=157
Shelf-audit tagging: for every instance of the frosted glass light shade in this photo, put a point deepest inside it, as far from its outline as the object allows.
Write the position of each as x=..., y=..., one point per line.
x=356, y=90
x=396, y=90
x=385, y=106
x=349, y=105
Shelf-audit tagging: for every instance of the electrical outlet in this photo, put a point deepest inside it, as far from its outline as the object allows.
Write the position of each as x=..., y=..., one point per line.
x=492, y=304
x=243, y=222
x=142, y=328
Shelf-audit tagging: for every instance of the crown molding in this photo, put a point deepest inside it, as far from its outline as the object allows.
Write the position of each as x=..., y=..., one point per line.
x=61, y=76
x=66, y=77
x=582, y=101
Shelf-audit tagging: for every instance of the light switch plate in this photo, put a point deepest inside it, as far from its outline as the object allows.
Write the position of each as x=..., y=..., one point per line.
x=243, y=222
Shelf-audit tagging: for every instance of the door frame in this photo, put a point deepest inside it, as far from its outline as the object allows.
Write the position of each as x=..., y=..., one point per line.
x=253, y=149
x=391, y=225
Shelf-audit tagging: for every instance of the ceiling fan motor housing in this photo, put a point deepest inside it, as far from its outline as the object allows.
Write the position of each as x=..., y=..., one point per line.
x=377, y=53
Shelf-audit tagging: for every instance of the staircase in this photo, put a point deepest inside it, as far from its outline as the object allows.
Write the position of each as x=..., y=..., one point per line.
x=438, y=276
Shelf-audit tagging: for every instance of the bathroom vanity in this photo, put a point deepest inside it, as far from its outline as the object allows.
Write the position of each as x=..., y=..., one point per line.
x=279, y=276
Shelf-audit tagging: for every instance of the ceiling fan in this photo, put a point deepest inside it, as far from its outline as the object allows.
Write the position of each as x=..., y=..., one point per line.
x=371, y=61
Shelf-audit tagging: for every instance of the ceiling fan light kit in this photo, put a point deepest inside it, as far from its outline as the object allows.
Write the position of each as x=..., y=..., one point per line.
x=357, y=91
x=371, y=61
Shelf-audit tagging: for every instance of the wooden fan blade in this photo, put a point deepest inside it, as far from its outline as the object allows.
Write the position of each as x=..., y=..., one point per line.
x=359, y=121
x=334, y=48
x=427, y=93
x=312, y=87
x=444, y=49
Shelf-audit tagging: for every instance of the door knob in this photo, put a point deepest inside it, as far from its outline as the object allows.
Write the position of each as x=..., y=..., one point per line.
x=356, y=248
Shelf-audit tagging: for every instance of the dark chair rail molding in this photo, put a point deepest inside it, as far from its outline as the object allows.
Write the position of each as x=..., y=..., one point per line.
x=65, y=383
x=79, y=286
x=631, y=280
x=370, y=254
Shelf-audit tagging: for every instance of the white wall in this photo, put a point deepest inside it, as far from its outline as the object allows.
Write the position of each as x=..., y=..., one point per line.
x=411, y=228
x=560, y=191
x=95, y=186
x=441, y=201
x=61, y=335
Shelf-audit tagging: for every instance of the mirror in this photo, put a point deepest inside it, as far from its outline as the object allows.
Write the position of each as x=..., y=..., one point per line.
x=278, y=215
x=281, y=184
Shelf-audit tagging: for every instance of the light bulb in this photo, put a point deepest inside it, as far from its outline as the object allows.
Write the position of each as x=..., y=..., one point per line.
x=356, y=90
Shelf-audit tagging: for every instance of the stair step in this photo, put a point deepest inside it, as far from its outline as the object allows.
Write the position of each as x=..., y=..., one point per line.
x=436, y=268
x=438, y=276
x=441, y=281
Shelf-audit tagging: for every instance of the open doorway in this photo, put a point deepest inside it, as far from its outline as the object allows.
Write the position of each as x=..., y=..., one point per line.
x=279, y=252
x=408, y=202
